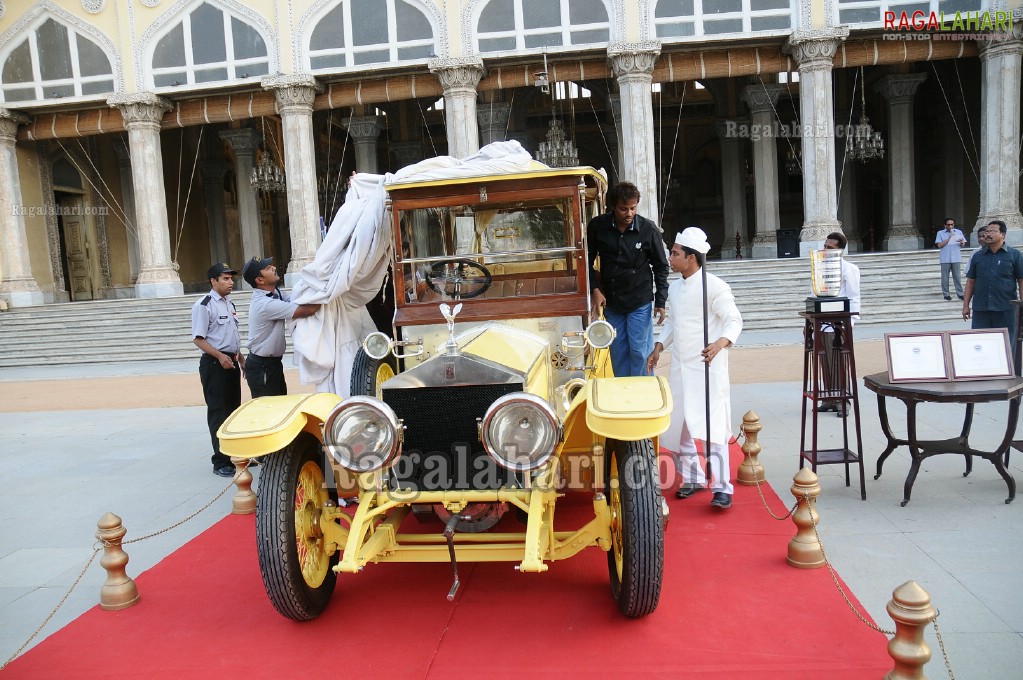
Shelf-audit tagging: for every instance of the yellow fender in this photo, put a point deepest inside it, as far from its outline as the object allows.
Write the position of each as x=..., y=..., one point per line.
x=628, y=409
x=268, y=424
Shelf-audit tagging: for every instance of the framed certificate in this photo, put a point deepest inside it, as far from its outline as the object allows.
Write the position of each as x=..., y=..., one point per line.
x=980, y=354
x=916, y=357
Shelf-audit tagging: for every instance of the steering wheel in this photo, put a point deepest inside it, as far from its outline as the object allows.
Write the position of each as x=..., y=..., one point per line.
x=459, y=279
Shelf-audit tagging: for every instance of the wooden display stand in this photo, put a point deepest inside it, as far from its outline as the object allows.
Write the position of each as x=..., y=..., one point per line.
x=829, y=377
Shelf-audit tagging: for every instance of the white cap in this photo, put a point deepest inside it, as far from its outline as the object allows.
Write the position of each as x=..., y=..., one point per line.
x=693, y=238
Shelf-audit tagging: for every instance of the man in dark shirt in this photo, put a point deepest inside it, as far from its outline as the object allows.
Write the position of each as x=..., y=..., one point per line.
x=994, y=279
x=633, y=263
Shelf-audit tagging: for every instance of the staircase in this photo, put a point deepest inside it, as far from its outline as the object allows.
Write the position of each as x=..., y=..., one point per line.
x=898, y=288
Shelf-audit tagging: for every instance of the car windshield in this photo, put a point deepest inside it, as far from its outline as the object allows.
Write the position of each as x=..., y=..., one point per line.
x=527, y=247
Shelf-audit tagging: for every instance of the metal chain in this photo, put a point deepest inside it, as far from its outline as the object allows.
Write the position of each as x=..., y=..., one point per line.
x=59, y=605
x=96, y=551
x=834, y=576
x=941, y=643
x=738, y=439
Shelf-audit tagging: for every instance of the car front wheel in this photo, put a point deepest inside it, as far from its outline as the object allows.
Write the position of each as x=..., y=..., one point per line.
x=636, y=559
x=293, y=555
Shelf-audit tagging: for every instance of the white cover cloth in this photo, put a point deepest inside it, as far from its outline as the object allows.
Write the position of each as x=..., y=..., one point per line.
x=351, y=263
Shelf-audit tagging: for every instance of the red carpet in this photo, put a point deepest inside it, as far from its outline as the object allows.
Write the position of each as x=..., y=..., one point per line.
x=730, y=607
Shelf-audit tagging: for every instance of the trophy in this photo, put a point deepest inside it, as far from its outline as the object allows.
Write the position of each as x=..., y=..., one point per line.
x=826, y=280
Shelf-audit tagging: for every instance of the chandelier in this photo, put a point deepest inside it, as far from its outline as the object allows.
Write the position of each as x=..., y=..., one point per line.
x=865, y=143
x=558, y=151
x=267, y=175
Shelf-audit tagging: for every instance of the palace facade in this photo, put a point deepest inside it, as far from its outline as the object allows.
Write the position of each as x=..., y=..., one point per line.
x=141, y=140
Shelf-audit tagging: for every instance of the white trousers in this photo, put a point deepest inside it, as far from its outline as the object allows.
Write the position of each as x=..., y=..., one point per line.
x=687, y=462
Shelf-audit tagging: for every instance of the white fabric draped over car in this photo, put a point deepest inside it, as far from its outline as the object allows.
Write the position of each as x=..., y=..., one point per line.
x=351, y=263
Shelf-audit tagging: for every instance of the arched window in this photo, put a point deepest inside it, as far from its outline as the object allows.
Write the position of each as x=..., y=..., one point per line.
x=682, y=18
x=55, y=61
x=513, y=25
x=209, y=45
x=356, y=32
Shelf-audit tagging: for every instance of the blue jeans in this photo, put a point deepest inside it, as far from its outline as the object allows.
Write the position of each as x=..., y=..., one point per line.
x=634, y=340
x=984, y=319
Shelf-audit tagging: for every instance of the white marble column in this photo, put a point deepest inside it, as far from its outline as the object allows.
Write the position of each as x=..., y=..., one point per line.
x=493, y=120
x=128, y=196
x=213, y=172
x=813, y=52
x=364, y=131
x=899, y=90
x=459, y=77
x=633, y=66
x=158, y=274
x=244, y=142
x=1000, y=133
x=733, y=184
x=295, y=94
x=761, y=100
x=17, y=286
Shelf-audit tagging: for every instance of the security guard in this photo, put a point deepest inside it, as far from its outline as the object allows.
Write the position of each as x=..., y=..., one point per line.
x=215, y=332
x=264, y=370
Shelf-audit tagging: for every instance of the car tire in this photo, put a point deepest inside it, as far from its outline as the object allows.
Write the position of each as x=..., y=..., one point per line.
x=636, y=558
x=369, y=373
x=291, y=497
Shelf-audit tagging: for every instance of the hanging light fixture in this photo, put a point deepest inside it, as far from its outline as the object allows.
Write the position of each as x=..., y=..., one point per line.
x=558, y=151
x=864, y=144
x=267, y=175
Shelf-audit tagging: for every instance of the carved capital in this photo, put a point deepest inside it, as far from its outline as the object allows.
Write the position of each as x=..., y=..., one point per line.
x=814, y=50
x=214, y=170
x=364, y=127
x=494, y=115
x=633, y=61
x=1004, y=43
x=407, y=153
x=242, y=140
x=458, y=73
x=141, y=109
x=899, y=88
x=9, y=122
x=762, y=98
x=294, y=93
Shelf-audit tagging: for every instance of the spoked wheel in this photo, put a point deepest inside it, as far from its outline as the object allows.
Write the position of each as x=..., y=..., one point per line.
x=368, y=374
x=636, y=559
x=459, y=279
x=293, y=556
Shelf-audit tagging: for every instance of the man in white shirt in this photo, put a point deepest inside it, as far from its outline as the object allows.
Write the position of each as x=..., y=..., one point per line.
x=949, y=240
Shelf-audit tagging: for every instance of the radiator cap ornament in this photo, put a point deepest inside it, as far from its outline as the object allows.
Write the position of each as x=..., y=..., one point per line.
x=450, y=347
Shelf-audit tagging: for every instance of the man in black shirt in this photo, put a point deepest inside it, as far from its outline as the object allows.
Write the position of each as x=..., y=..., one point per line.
x=633, y=264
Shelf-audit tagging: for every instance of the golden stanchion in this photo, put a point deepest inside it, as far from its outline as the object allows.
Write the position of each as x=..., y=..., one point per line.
x=911, y=609
x=805, y=549
x=244, y=501
x=119, y=592
x=751, y=472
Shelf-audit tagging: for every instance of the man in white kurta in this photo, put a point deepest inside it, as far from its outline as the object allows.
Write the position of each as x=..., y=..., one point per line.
x=683, y=336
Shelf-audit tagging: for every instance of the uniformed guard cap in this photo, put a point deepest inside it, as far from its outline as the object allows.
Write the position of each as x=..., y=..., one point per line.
x=219, y=268
x=253, y=267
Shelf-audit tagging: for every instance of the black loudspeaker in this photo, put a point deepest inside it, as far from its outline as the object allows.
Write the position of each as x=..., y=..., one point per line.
x=788, y=242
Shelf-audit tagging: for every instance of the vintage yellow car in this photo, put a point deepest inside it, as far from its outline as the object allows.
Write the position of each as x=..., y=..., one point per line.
x=492, y=398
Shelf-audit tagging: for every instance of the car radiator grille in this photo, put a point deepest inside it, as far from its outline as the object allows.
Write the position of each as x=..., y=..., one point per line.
x=442, y=449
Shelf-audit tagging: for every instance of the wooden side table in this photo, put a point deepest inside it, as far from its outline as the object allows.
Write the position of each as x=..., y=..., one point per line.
x=829, y=377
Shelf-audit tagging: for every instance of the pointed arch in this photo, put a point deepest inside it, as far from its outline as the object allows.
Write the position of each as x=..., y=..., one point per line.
x=407, y=30
x=100, y=75
x=249, y=44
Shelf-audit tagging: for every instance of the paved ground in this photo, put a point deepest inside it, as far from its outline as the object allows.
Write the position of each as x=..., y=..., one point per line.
x=131, y=439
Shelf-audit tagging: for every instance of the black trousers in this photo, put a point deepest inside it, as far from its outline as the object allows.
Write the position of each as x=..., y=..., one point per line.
x=222, y=388
x=265, y=376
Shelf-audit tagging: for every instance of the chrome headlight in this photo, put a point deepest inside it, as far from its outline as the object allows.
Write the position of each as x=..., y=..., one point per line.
x=520, y=431
x=377, y=345
x=362, y=434
x=600, y=334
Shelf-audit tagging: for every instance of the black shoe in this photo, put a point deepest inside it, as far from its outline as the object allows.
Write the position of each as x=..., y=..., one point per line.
x=224, y=471
x=948, y=297
x=721, y=500
x=824, y=408
x=961, y=297
x=687, y=490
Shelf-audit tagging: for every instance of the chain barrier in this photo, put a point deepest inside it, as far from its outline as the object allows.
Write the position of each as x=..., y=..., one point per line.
x=763, y=499
x=96, y=551
x=941, y=644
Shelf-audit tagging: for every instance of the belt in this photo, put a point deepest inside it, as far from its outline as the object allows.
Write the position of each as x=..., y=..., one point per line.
x=224, y=351
x=252, y=355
